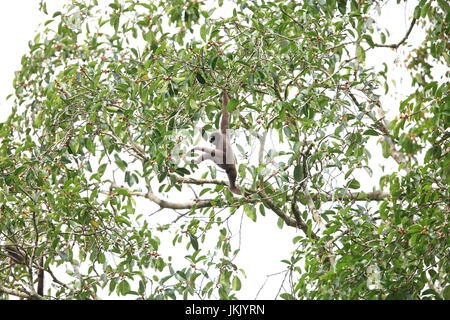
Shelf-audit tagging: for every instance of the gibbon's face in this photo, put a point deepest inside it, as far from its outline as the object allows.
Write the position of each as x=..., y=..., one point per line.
x=216, y=138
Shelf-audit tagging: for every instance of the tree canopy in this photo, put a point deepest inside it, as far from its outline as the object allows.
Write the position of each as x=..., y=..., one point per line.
x=111, y=95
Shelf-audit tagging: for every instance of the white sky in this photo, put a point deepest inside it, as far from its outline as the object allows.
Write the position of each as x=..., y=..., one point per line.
x=263, y=243
x=18, y=20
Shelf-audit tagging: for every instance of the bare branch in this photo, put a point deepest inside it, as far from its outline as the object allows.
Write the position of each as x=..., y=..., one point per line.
x=396, y=155
x=201, y=181
x=300, y=223
x=286, y=218
x=165, y=203
x=312, y=208
x=396, y=45
x=349, y=196
x=290, y=17
x=356, y=196
x=20, y=294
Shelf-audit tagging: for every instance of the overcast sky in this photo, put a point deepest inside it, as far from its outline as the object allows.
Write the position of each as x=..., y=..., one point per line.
x=18, y=22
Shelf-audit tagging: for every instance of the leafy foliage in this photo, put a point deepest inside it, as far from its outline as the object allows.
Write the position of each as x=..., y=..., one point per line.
x=104, y=89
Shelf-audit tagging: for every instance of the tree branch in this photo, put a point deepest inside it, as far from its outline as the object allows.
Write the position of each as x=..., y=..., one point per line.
x=350, y=196
x=20, y=294
x=396, y=155
x=165, y=203
x=201, y=181
x=356, y=196
x=300, y=223
x=291, y=222
x=396, y=45
x=290, y=17
x=313, y=209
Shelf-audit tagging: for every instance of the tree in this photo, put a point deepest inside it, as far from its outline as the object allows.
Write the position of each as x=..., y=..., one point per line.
x=105, y=90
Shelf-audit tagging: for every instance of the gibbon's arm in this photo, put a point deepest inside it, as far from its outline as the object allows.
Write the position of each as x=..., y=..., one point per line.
x=208, y=154
x=204, y=149
x=225, y=115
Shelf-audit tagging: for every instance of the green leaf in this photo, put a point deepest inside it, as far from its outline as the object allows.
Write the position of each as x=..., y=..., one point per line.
x=194, y=241
x=141, y=289
x=298, y=173
x=415, y=228
x=280, y=223
x=122, y=220
x=223, y=292
x=417, y=12
x=114, y=21
x=193, y=104
x=349, y=172
x=214, y=62
x=112, y=285
x=236, y=284
x=71, y=69
x=123, y=288
x=287, y=131
x=111, y=109
x=342, y=6
x=262, y=210
x=74, y=146
x=446, y=293
x=250, y=211
x=200, y=78
x=287, y=296
x=386, y=148
x=182, y=171
x=354, y=184
x=425, y=9
x=232, y=105
x=101, y=169
x=360, y=54
x=101, y=258
x=371, y=132
x=204, y=191
x=369, y=40
x=445, y=7
x=121, y=164
x=90, y=145
x=38, y=120
x=203, y=32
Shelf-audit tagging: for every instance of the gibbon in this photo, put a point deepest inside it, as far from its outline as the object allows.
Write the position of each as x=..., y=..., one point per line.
x=223, y=154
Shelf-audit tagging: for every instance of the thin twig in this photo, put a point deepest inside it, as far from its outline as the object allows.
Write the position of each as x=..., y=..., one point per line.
x=396, y=45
